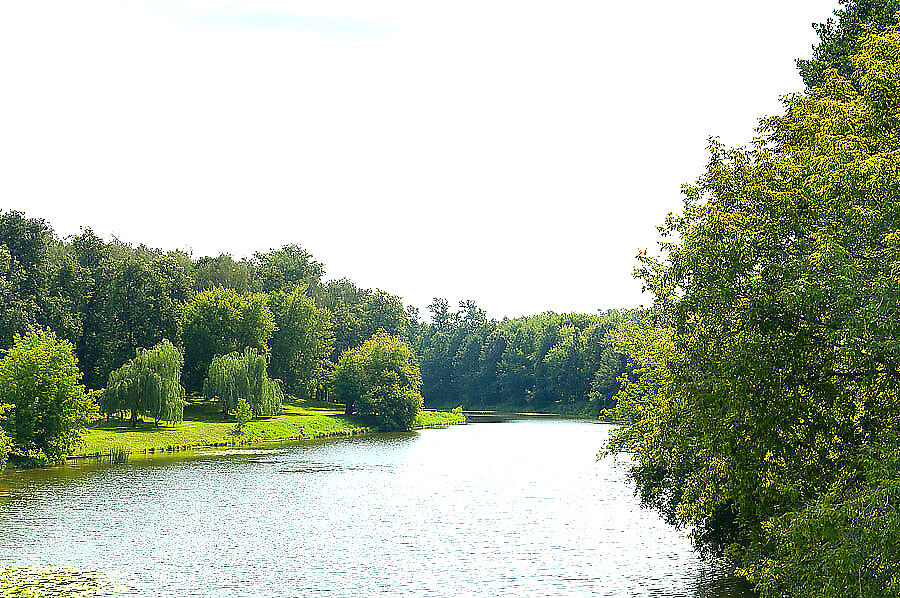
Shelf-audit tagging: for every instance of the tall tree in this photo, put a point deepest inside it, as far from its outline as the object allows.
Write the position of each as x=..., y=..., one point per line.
x=840, y=39
x=302, y=342
x=766, y=405
x=220, y=321
x=286, y=269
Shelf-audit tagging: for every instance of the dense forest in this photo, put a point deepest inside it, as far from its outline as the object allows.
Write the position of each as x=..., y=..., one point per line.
x=147, y=328
x=763, y=413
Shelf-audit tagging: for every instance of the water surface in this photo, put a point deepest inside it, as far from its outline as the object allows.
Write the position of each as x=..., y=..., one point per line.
x=520, y=508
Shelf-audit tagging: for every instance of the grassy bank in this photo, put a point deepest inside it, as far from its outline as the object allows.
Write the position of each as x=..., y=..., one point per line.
x=203, y=425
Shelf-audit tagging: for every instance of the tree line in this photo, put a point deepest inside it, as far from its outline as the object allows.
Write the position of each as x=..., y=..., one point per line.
x=148, y=328
x=563, y=363
x=763, y=412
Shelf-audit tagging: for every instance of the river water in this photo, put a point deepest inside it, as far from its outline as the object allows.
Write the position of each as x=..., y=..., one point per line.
x=520, y=508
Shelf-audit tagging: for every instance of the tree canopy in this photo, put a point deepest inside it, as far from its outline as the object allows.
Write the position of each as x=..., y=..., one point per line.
x=39, y=378
x=302, y=343
x=765, y=410
x=220, y=321
x=380, y=379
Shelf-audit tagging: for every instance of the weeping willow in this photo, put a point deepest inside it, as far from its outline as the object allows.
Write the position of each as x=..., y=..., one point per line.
x=243, y=376
x=148, y=385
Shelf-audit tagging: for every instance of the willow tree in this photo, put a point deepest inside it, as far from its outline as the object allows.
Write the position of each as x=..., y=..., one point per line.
x=149, y=384
x=243, y=376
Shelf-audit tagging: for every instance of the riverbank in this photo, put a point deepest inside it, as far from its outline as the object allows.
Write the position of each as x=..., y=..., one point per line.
x=203, y=426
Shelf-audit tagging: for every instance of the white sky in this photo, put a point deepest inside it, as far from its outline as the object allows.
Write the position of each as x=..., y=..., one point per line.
x=515, y=153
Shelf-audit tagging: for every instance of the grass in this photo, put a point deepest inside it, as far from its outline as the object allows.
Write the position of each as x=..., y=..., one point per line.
x=205, y=425
x=430, y=419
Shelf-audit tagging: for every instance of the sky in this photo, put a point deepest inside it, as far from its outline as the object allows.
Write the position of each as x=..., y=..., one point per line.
x=514, y=153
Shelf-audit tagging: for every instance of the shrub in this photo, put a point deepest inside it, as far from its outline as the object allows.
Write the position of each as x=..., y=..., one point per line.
x=242, y=414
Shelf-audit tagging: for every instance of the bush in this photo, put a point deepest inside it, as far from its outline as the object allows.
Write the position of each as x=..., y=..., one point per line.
x=50, y=408
x=380, y=380
x=242, y=414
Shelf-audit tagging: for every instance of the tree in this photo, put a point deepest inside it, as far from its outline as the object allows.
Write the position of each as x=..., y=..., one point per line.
x=140, y=304
x=237, y=376
x=286, y=269
x=840, y=40
x=381, y=380
x=222, y=271
x=302, y=342
x=766, y=409
x=220, y=321
x=149, y=384
x=242, y=415
x=39, y=377
x=357, y=314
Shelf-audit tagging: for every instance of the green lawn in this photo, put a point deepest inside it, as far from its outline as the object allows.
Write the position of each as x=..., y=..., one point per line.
x=204, y=425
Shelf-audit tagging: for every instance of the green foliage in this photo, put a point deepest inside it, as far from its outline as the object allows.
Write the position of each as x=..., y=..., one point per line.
x=302, y=343
x=764, y=409
x=149, y=384
x=840, y=39
x=357, y=314
x=238, y=376
x=5, y=440
x=222, y=271
x=543, y=362
x=380, y=379
x=39, y=377
x=242, y=415
x=220, y=321
x=286, y=269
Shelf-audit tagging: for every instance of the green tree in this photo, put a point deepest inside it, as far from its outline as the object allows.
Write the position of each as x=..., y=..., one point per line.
x=840, y=39
x=149, y=384
x=39, y=377
x=302, y=342
x=220, y=321
x=237, y=376
x=357, y=314
x=242, y=415
x=286, y=269
x=380, y=379
x=222, y=271
x=765, y=407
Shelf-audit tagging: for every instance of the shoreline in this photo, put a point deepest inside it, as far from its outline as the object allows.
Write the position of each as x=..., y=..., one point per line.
x=171, y=449
x=121, y=441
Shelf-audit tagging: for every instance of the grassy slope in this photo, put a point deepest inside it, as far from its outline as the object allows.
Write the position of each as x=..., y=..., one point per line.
x=203, y=425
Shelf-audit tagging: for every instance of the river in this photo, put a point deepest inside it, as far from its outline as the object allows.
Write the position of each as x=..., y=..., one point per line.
x=520, y=508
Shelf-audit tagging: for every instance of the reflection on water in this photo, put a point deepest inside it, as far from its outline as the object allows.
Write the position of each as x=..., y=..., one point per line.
x=512, y=509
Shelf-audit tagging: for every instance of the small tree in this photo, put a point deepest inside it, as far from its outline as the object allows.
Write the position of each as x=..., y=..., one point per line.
x=243, y=375
x=39, y=377
x=242, y=415
x=380, y=379
x=149, y=384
